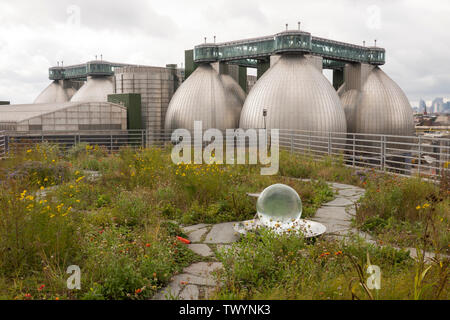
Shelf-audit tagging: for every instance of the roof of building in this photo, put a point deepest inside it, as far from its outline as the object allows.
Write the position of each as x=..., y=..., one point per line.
x=22, y=112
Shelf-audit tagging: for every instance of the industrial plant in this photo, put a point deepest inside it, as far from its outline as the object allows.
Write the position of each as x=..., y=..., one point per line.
x=290, y=93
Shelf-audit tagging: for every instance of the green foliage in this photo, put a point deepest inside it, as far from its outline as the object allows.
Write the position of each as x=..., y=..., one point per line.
x=397, y=209
x=307, y=167
x=267, y=266
x=121, y=228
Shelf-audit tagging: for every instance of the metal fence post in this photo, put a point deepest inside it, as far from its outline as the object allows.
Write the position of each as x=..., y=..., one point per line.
x=329, y=143
x=309, y=143
x=354, y=150
x=383, y=153
x=292, y=143
x=420, y=155
x=111, y=143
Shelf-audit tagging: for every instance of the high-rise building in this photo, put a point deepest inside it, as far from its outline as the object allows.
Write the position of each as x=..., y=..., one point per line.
x=422, y=106
x=438, y=105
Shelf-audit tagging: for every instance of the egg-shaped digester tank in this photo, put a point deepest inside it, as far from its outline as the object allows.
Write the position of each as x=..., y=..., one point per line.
x=215, y=100
x=297, y=96
x=383, y=107
x=54, y=93
x=96, y=89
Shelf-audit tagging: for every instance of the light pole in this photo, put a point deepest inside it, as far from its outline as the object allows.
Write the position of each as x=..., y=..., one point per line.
x=265, y=125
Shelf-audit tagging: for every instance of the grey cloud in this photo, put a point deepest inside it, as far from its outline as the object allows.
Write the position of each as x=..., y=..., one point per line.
x=34, y=34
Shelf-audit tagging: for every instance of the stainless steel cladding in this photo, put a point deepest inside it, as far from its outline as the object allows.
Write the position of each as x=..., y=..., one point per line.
x=206, y=96
x=156, y=86
x=55, y=92
x=94, y=90
x=380, y=108
x=296, y=96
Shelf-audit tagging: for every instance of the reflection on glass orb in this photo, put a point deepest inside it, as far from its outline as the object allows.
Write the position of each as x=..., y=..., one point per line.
x=279, y=206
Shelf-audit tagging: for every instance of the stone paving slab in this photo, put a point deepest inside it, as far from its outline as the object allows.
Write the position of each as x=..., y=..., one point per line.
x=332, y=213
x=190, y=292
x=350, y=193
x=334, y=227
x=341, y=186
x=187, y=278
x=339, y=202
x=195, y=227
x=354, y=199
x=203, y=269
x=201, y=249
x=222, y=233
x=196, y=236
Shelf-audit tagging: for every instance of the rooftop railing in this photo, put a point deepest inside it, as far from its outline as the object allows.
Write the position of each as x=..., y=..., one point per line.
x=425, y=156
x=288, y=41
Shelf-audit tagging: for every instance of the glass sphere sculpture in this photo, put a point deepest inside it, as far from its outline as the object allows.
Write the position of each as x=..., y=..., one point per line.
x=279, y=206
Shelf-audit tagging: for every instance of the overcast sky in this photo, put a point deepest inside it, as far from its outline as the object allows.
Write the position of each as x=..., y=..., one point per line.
x=34, y=35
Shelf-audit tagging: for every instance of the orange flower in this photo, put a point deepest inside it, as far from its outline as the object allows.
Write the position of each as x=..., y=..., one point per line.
x=339, y=253
x=138, y=291
x=148, y=245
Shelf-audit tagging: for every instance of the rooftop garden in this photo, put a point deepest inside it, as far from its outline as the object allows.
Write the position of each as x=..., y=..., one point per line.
x=118, y=216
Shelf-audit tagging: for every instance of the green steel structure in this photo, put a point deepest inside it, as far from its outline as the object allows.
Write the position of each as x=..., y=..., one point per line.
x=82, y=71
x=249, y=52
x=133, y=103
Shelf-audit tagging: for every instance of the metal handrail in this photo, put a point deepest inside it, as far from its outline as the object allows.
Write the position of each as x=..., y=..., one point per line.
x=358, y=150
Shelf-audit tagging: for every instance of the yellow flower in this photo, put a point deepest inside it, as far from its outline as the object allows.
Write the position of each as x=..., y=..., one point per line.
x=418, y=208
x=29, y=151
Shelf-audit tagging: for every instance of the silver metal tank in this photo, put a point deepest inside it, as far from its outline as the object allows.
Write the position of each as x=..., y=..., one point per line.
x=70, y=92
x=380, y=108
x=96, y=89
x=54, y=93
x=296, y=96
x=206, y=96
x=350, y=99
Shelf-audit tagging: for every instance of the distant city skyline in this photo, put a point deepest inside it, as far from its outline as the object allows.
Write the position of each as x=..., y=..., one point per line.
x=438, y=104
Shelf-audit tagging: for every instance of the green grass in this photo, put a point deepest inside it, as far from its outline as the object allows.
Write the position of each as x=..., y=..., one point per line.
x=118, y=228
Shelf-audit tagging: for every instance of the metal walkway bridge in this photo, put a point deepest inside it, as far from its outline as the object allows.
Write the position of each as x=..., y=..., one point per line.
x=249, y=52
x=82, y=71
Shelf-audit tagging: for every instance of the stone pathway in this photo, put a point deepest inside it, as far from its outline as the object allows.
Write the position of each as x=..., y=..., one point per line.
x=197, y=281
x=337, y=215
